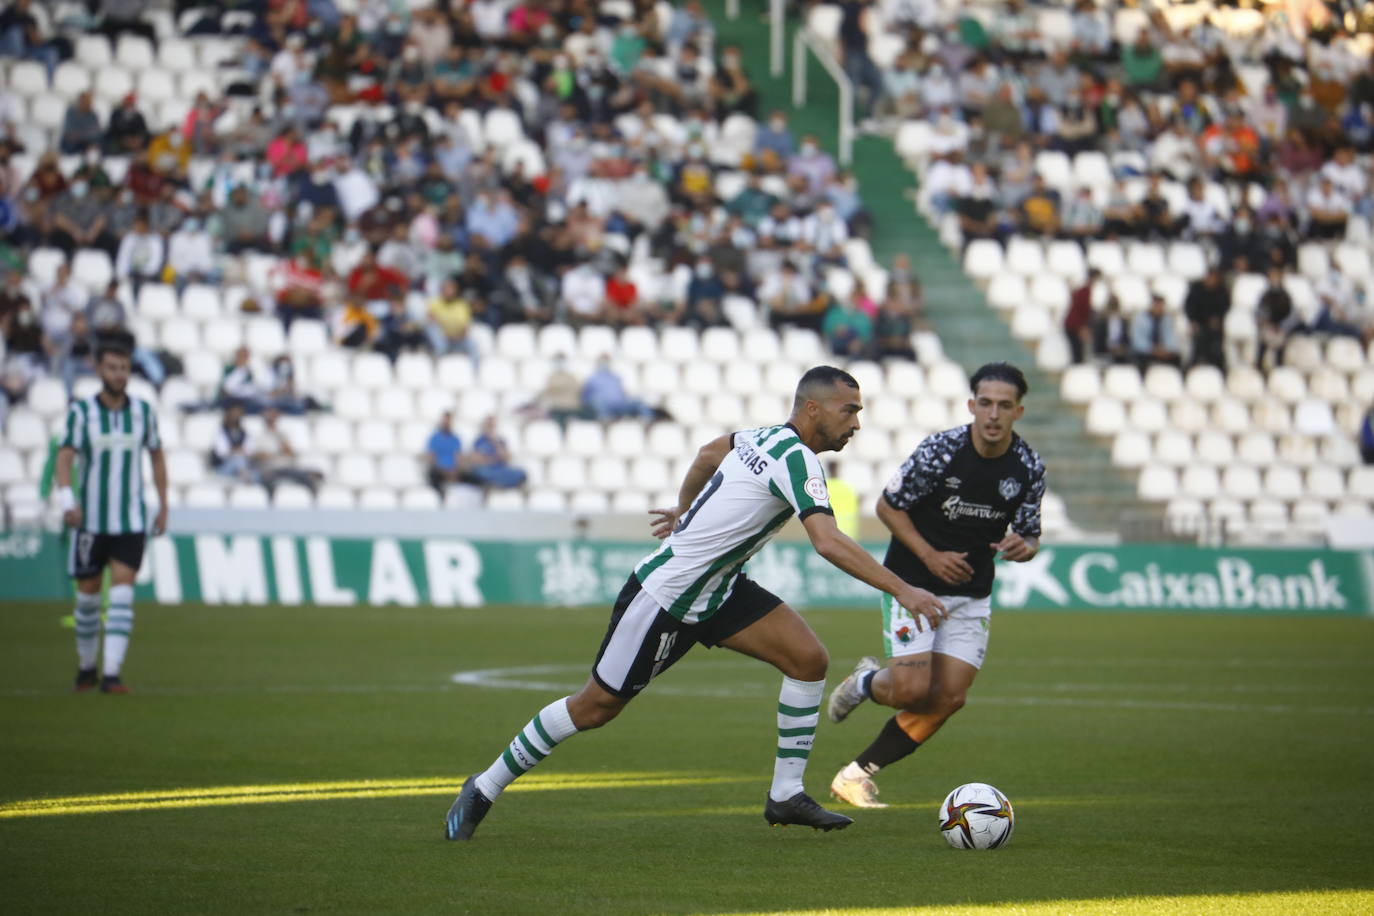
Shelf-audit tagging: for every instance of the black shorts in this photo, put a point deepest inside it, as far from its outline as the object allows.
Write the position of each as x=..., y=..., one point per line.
x=643, y=640
x=89, y=553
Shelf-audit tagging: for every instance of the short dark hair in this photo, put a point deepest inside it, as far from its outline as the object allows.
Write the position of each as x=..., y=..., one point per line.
x=117, y=344
x=817, y=379
x=999, y=372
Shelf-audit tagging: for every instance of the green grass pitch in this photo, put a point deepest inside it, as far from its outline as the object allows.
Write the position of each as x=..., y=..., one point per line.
x=300, y=760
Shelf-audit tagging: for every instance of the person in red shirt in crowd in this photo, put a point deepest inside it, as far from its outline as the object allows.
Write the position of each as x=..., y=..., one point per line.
x=375, y=282
x=622, y=299
x=1078, y=320
x=300, y=289
x=286, y=153
x=1232, y=148
x=145, y=181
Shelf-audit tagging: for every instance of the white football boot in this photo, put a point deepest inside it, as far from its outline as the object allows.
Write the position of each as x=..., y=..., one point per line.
x=846, y=694
x=861, y=792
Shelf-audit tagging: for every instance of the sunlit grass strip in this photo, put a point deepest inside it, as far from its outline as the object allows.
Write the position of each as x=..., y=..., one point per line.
x=215, y=796
x=1354, y=902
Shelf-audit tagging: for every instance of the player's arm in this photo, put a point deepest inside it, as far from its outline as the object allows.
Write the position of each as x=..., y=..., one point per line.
x=948, y=565
x=708, y=459
x=1022, y=541
x=159, y=460
x=66, y=500
x=841, y=550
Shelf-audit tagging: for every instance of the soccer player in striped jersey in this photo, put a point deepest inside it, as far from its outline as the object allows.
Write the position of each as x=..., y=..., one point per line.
x=105, y=437
x=738, y=492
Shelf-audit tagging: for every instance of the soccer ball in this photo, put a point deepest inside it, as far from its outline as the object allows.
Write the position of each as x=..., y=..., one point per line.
x=976, y=816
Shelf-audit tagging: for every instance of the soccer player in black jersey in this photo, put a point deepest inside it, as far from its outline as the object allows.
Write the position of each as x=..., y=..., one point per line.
x=963, y=496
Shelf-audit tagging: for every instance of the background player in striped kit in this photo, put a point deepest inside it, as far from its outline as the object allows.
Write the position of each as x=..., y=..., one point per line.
x=738, y=492
x=105, y=437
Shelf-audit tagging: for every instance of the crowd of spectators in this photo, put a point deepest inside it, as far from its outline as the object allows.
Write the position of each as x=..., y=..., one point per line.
x=401, y=173
x=1248, y=135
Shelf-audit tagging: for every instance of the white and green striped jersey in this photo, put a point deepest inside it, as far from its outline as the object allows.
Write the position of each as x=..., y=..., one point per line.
x=767, y=476
x=109, y=473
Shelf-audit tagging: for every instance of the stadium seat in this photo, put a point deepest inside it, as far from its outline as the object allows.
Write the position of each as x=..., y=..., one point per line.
x=379, y=498
x=701, y=378
x=1344, y=354
x=1339, y=452
x=1157, y=483
x=947, y=380
x=265, y=337
x=720, y=345
x=1313, y=417
x=1360, y=483
x=1080, y=384
x=335, y=497
x=1163, y=382
x=1050, y=291
x=1303, y=354
x=292, y=496
x=1131, y=449
x=1105, y=417
x=1007, y=290
x=1282, y=482
x=762, y=345
x=205, y=495
x=1268, y=517
x=1122, y=383
x=1145, y=259
x=1065, y=258
x=247, y=496
x=222, y=336
x=1323, y=481
x=543, y=439
x=1174, y=449
x=1354, y=261
x=666, y=440
x=1287, y=385
x=1132, y=291
x=1272, y=417
x=134, y=52
x=802, y=347
x=1241, y=482
x=1205, y=383
x=200, y=301
x=91, y=268
x=1107, y=257
x=1200, y=482
x=372, y=371
x=156, y=85
x=1214, y=448
x=983, y=259
x=47, y=397
x=1025, y=256
x=1188, y=260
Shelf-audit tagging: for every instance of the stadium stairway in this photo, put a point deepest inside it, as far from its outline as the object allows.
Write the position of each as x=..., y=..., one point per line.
x=1099, y=497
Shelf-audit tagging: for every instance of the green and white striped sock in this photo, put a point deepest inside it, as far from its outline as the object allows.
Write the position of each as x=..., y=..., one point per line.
x=550, y=726
x=87, y=615
x=119, y=626
x=799, y=712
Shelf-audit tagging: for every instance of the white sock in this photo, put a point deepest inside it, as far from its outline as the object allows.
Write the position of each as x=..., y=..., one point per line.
x=799, y=712
x=119, y=626
x=853, y=771
x=87, y=616
x=549, y=727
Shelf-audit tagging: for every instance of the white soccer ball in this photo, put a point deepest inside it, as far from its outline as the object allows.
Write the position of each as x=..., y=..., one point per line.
x=976, y=816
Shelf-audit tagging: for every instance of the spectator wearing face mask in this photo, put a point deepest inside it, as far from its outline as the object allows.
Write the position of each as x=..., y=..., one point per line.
x=78, y=219
x=191, y=253
x=812, y=163
x=141, y=254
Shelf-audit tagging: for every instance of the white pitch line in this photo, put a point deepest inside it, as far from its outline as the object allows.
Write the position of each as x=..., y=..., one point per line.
x=515, y=679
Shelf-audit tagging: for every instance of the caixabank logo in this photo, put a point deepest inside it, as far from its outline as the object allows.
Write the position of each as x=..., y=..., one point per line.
x=1146, y=578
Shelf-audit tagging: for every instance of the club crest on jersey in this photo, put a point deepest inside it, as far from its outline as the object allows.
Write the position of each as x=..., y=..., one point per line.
x=815, y=488
x=1009, y=487
x=953, y=482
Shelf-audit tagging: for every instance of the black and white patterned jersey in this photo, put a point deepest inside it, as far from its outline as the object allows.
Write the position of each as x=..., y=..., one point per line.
x=960, y=501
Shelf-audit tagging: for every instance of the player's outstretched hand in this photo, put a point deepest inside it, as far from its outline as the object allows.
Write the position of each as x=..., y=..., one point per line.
x=1016, y=548
x=922, y=604
x=662, y=521
x=72, y=517
x=951, y=567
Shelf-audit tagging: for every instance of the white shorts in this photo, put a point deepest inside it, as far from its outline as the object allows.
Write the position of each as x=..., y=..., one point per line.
x=964, y=635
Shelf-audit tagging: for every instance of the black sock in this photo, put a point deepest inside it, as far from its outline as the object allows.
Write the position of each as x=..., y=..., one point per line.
x=891, y=745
